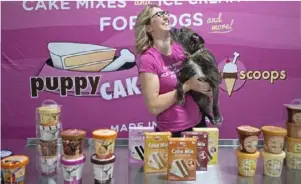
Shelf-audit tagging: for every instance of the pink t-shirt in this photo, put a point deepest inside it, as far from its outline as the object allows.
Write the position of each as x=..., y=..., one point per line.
x=177, y=117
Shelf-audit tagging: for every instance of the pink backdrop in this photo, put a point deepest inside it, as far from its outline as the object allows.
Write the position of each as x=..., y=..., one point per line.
x=265, y=34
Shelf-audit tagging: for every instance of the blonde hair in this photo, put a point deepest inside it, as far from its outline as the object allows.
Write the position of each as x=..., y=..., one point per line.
x=143, y=40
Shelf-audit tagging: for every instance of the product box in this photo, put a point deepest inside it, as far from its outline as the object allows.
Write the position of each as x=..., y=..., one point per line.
x=202, y=148
x=182, y=154
x=156, y=147
x=136, y=143
x=213, y=137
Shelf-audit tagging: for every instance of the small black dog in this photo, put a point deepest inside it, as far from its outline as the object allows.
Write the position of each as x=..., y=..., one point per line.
x=201, y=63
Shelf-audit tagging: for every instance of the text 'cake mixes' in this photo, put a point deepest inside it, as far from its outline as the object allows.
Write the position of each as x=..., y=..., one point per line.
x=182, y=153
x=156, y=147
x=202, y=148
x=213, y=136
x=136, y=143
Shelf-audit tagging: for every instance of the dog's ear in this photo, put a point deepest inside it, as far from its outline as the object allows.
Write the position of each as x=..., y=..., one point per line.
x=202, y=40
x=173, y=30
x=197, y=39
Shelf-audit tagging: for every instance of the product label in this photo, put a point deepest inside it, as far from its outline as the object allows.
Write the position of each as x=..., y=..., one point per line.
x=49, y=165
x=273, y=167
x=294, y=163
x=47, y=118
x=299, y=133
x=103, y=173
x=14, y=175
x=72, y=147
x=136, y=143
x=156, y=152
x=73, y=173
x=250, y=143
x=202, y=148
x=49, y=132
x=275, y=144
x=105, y=148
x=247, y=167
x=297, y=148
x=297, y=118
x=181, y=159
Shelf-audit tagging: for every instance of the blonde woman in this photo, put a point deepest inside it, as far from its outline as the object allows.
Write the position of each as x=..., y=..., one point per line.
x=158, y=63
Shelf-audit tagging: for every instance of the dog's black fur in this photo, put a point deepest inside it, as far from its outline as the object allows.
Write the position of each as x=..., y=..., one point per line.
x=199, y=60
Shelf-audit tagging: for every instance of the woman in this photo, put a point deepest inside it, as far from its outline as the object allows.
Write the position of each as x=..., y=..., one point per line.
x=159, y=61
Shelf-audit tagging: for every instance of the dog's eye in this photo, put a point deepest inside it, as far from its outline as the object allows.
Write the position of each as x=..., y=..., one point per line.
x=195, y=38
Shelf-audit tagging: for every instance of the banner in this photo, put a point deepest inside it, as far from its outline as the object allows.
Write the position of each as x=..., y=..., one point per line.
x=81, y=54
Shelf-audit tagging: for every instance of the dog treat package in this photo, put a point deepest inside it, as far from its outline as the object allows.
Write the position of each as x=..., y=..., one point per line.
x=182, y=154
x=156, y=147
x=136, y=143
x=202, y=148
x=213, y=136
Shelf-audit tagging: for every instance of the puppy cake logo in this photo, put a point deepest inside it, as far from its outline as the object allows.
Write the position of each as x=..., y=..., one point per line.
x=235, y=75
x=80, y=69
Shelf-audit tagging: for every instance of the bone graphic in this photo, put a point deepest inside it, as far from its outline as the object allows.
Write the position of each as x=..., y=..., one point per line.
x=230, y=82
x=236, y=55
x=125, y=57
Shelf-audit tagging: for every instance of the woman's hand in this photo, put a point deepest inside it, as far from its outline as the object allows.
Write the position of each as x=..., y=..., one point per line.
x=196, y=85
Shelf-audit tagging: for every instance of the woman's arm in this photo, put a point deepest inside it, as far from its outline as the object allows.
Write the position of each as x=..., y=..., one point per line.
x=156, y=103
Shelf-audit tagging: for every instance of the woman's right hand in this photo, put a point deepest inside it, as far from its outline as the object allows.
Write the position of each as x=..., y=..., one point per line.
x=196, y=85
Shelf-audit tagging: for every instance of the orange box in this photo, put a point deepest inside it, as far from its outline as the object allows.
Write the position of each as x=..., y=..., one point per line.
x=182, y=155
x=156, y=147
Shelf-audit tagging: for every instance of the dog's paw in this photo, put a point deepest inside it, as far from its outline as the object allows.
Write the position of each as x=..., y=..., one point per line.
x=218, y=120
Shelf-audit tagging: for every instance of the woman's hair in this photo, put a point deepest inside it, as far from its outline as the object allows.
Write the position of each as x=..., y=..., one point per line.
x=143, y=40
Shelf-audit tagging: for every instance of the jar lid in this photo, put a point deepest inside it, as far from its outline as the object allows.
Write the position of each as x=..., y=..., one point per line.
x=248, y=129
x=104, y=134
x=5, y=153
x=293, y=106
x=274, y=130
x=98, y=161
x=53, y=108
x=70, y=162
x=15, y=161
x=73, y=134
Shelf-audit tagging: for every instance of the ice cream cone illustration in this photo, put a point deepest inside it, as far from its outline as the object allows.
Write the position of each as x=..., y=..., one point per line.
x=230, y=73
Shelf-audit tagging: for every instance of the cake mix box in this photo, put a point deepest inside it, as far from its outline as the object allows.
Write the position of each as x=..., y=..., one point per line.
x=136, y=143
x=156, y=147
x=182, y=154
x=213, y=137
x=202, y=148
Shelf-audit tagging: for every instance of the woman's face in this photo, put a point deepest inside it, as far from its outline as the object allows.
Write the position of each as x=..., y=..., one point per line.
x=159, y=21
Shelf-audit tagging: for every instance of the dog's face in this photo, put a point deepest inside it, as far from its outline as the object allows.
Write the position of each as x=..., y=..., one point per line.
x=188, y=39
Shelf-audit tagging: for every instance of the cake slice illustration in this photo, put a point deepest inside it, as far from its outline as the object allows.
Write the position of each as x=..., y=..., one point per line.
x=80, y=56
x=156, y=161
x=230, y=73
x=179, y=168
x=138, y=152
